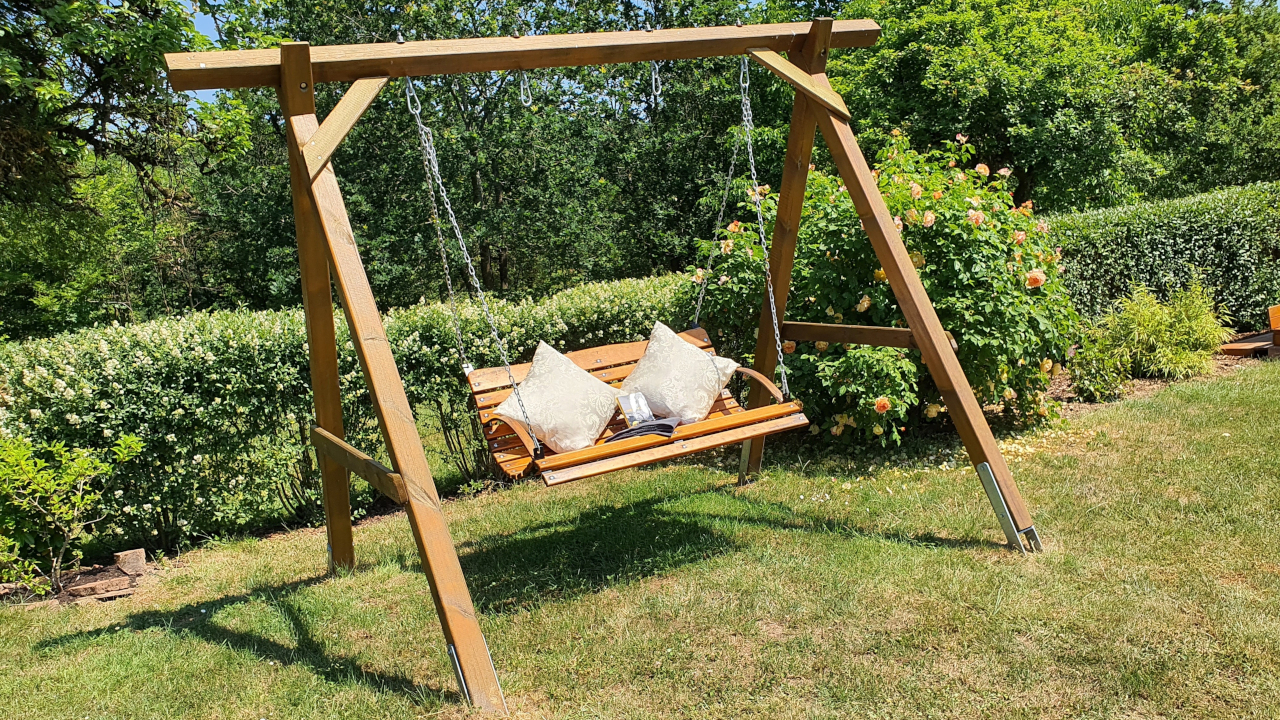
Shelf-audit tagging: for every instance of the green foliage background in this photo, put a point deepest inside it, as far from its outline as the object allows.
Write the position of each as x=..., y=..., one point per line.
x=1231, y=238
x=1091, y=103
x=221, y=400
x=987, y=264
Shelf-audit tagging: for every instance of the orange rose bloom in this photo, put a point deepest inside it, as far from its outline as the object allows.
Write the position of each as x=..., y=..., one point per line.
x=789, y=347
x=882, y=405
x=1036, y=278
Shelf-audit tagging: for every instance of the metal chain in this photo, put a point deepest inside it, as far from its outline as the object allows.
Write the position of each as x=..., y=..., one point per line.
x=724, y=202
x=415, y=107
x=433, y=165
x=748, y=125
x=655, y=81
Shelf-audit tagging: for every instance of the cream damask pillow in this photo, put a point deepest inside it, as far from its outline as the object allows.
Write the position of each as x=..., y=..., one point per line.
x=678, y=379
x=567, y=407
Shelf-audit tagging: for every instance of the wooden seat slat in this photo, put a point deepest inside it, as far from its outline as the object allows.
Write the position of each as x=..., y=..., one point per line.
x=599, y=451
x=675, y=450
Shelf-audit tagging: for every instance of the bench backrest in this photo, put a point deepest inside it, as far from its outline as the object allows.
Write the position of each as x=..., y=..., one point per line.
x=610, y=363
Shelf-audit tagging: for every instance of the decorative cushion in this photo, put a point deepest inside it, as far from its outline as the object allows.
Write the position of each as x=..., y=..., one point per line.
x=677, y=378
x=568, y=408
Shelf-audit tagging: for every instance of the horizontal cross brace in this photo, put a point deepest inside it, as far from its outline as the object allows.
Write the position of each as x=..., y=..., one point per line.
x=227, y=69
x=381, y=477
x=856, y=334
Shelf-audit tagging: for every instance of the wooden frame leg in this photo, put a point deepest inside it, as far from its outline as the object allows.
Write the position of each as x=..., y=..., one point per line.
x=782, y=250
x=465, y=641
x=920, y=315
x=322, y=348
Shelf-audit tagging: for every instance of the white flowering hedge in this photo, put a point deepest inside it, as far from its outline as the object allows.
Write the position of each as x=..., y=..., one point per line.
x=221, y=401
x=1231, y=237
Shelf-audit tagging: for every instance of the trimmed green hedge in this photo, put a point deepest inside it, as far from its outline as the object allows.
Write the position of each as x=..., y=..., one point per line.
x=1232, y=235
x=221, y=400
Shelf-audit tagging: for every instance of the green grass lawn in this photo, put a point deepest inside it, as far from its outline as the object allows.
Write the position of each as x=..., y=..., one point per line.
x=830, y=588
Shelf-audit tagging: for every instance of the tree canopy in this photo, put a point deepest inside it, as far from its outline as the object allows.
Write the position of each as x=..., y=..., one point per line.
x=1092, y=103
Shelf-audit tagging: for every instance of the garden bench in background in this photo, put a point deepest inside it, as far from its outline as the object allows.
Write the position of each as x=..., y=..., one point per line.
x=1265, y=344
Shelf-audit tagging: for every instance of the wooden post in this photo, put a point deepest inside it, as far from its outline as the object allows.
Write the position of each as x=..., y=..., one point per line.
x=926, y=330
x=297, y=97
x=439, y=558
x=812, y=58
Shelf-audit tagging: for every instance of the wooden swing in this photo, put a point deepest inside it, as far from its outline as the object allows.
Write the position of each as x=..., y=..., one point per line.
x=727, y=424
x=327, y=252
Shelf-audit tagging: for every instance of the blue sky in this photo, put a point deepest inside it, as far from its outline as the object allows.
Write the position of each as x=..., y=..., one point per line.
x=204, y=24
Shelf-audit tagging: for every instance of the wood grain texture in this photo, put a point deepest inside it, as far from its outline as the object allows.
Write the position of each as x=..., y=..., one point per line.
x=800, y=80
x=228, y=69
x=684, y=432
x=1274, y=313
x=395, y=418
x=675, y=450
x=856, y=334
x=382, y=478
x=339, y=121
x=934, y=346
x=317, y=303
x=811, y=58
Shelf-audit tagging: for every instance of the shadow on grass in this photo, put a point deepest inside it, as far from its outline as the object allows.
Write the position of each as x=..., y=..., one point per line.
x=612, y=545
x=195, y=621
x=552, y=561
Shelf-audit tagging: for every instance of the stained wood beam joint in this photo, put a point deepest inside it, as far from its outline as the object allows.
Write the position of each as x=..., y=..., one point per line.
x=801, y=81
x=319, y=150
x=381, y=477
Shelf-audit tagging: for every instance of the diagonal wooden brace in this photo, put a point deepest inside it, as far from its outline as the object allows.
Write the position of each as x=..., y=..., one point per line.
x=463, y=636
x=921, y=318
x=344, y=116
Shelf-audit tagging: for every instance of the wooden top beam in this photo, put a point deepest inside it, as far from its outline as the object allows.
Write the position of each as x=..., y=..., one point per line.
x=221, y=70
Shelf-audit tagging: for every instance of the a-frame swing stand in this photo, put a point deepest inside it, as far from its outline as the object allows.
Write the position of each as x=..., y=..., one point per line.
x=327, y=253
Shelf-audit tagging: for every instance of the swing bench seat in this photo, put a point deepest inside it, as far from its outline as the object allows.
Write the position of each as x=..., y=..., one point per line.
x=727, y=423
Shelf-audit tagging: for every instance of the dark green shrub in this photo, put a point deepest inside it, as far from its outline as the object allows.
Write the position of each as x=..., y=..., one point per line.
x=1231, y=236
x=222, y=403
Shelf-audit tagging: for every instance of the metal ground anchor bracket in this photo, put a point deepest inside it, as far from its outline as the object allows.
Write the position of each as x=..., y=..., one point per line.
x=457, y=670
x=1016, y=539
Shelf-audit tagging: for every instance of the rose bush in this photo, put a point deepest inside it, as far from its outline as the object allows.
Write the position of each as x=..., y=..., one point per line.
x=987, y=264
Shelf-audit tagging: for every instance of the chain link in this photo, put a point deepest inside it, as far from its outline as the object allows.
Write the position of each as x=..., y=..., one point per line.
x=411, y=98
x=427, y=142
x=748, y=125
